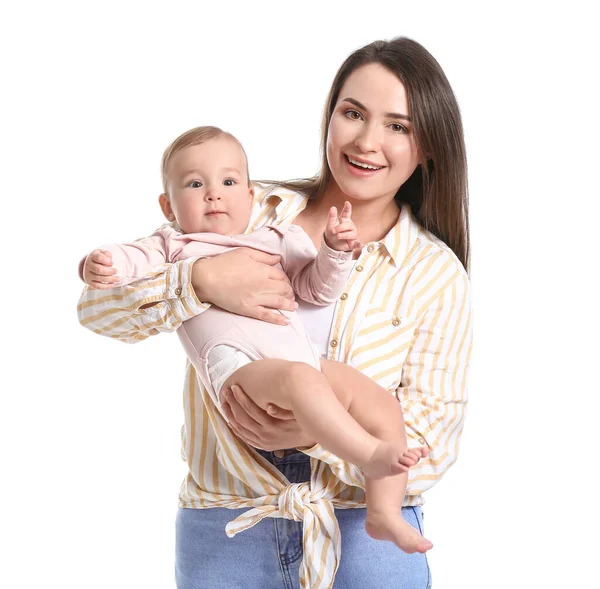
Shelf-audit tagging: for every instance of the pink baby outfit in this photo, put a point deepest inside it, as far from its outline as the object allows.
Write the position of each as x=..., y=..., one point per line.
x=218, y=342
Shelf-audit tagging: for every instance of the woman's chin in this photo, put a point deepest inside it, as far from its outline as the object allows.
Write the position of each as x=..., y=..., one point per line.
x=364, y=195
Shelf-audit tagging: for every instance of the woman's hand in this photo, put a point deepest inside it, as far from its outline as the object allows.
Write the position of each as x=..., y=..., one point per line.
x=246, y=282
x=275, y=430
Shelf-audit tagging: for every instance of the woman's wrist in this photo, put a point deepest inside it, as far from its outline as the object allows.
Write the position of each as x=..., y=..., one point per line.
x=307, y=444
x=201, y=279
x=303, y=441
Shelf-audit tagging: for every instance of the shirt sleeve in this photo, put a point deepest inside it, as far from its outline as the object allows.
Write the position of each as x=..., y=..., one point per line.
x=319, y=279
x=433, y=389
x=158, y=302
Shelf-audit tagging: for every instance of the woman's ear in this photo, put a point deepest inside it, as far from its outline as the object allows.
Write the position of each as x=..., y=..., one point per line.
x=165, y=205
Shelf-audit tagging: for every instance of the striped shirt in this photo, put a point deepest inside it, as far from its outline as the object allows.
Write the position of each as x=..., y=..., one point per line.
x=404, y=320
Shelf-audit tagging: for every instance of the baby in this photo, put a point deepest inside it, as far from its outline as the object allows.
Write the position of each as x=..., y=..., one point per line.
x=208, y=200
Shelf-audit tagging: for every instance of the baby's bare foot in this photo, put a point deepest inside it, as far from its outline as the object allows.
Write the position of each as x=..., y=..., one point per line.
x=392, y=527
x=390, y=459
x=411, y=456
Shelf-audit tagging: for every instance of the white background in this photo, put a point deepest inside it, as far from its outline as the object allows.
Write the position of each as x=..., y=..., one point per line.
x=93, y=93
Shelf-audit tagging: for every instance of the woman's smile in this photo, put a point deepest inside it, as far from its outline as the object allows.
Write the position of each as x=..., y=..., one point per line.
x=361, y=167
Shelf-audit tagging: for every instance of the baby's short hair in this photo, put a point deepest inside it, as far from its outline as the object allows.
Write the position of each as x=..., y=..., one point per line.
x=195, y=136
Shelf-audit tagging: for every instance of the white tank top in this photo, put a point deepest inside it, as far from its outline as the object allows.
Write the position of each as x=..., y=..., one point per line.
x=317, y=322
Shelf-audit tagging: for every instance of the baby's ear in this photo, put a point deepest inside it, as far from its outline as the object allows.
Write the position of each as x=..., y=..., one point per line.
x=165, y=205
x=251, y=193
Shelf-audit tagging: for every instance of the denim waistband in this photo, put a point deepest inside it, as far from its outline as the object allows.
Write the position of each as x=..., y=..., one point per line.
x=289, y=456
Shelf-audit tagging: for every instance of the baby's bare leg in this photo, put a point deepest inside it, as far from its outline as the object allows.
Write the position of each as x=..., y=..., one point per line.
x=306, y=392
x=381, y=415
x=328, y=406
x=375, y=410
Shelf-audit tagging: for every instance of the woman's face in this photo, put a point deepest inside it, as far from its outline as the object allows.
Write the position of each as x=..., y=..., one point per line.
x=370, y=145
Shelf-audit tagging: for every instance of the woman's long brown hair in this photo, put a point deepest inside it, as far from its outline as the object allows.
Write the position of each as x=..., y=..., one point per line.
x=437, y=190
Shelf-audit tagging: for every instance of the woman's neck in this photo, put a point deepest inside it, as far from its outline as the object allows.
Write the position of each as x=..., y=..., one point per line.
x=373, y=218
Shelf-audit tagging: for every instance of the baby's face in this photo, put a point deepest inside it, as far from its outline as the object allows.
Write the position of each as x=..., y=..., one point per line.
x=208, y=188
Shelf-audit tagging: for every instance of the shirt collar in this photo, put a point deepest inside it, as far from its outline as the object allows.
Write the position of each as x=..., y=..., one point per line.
x=283, y=201
x=402, y=236
x=398, y=242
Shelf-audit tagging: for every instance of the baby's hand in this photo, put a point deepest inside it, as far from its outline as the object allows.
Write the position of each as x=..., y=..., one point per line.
x=341, y=233
x=98, y=270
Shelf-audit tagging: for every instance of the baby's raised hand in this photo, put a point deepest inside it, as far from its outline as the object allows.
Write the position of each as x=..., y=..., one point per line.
x=341, y=233
x=98, y=271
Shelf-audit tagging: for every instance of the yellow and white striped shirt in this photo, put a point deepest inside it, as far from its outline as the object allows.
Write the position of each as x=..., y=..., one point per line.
x=404, y=320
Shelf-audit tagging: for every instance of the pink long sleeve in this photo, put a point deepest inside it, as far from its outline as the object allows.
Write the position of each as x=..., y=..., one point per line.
x=136, y=259
x=318, y=280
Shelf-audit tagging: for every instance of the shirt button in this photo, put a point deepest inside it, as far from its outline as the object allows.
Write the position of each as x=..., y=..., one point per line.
x=344, y=296
x=359, y=268
x=333, y=343
x=279, y=453
x=395, y=321
x=178, y=291
x=371, y=249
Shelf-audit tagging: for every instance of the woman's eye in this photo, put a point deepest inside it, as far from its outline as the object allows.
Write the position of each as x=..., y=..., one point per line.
x=353, y=114
x=398, y=128
x=195, y=184
x=229, y=182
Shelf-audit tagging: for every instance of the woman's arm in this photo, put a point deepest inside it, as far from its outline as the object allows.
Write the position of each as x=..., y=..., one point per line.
x=157, y=303
x=243, y=281
x=433, y=391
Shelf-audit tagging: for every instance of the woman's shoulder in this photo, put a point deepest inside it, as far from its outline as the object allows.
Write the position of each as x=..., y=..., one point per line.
x=431, y=269
x=438, y=248
x=426, y=261
x=265, y=191
x=413, y=247
x=275, y=203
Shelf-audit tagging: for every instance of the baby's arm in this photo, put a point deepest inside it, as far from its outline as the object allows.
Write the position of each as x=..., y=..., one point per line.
x=123, y=263
x=322, y=280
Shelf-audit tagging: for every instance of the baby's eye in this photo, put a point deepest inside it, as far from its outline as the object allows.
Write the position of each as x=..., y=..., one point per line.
x=398, y=128
x=229, y=182
x=353, y=114
x=195, y=184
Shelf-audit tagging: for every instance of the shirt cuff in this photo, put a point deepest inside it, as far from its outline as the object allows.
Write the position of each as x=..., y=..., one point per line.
x=180, y=291
x=341, y=257
x=346, y=472
x=317, y=451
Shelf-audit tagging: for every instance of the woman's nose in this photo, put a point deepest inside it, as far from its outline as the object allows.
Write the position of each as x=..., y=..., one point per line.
x=369, y=139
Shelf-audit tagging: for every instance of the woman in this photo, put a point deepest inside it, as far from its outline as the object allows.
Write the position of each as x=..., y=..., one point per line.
x=393, y=146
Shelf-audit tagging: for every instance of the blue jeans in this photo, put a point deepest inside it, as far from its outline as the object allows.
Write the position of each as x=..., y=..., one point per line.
x=268, y=555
